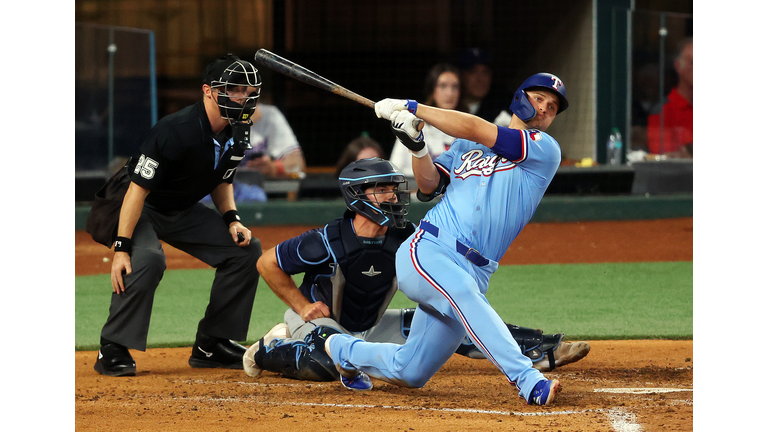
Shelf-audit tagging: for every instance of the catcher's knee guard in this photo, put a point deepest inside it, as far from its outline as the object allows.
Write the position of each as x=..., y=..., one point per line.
x=303, y=360
x=315, y=364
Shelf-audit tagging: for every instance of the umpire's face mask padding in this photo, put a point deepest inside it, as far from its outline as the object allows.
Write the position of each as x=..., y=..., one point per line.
x=238, y=90
x=232, y=110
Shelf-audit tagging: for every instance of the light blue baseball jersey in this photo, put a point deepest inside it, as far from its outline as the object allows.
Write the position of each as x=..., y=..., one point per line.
x=494, y=192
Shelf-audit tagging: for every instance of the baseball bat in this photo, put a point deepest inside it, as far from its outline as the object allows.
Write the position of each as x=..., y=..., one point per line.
x=300, y=73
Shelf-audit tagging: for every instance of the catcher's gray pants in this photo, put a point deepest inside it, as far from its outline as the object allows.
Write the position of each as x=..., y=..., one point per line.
x=388, y=329
x=201, y=232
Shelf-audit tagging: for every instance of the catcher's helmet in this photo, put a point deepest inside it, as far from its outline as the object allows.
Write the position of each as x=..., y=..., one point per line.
x=227, y=72
x=520, y=105
x=368, y=173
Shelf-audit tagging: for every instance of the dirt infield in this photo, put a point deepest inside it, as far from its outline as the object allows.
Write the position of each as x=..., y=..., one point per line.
x=620, y=385
x=538, y=243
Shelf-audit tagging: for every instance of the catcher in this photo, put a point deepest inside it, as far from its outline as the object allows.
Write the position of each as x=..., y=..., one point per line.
x=349, y=281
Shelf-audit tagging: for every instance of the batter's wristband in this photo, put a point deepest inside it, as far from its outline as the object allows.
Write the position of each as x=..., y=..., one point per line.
x=231, y=216
x=411, y=105
x=421, y=153
x=123, y=244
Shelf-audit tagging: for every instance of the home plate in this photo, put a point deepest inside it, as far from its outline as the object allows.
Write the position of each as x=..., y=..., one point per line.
x=641, y=390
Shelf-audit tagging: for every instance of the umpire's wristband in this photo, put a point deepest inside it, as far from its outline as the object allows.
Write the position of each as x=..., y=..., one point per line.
x=123, y=244
x=231, y=216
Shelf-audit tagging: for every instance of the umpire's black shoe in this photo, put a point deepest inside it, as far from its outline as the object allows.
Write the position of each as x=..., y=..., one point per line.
x=211, y=352
x=115, y=360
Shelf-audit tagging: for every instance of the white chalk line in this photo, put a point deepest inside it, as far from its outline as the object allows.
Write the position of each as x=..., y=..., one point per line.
x=641, y=390
x=452, y=410
x=619, y=390
x=303, y=384
x=623, y=421
x=394, y=407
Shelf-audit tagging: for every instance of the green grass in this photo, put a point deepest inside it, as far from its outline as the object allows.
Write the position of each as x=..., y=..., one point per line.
x=584, y=301
x=598, y=301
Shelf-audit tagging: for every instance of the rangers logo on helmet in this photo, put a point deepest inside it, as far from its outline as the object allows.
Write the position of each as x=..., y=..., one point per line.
x=520, y=105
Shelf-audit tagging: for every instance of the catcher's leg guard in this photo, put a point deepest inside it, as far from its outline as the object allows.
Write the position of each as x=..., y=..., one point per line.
x=406, y=317
x=535, y=345
x=303, y=360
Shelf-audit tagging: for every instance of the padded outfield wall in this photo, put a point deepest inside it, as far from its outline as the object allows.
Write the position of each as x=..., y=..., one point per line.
x=551, y=209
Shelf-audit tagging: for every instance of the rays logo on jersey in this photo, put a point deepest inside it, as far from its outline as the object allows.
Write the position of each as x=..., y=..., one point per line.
x=477, y=163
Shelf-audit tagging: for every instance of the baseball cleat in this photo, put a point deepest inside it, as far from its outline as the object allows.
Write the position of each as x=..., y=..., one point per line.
x=114, y=360
x=544, y=392
x=566, y=353
x=279, y=331
x=352, y=379
x=361, y=382
x=217, y=353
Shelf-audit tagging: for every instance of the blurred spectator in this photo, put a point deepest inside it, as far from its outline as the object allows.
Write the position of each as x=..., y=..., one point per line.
x=276, y=151
x=676, y=117
x=442, y=90
x=645, y=101
x=476, y=82
x=361, y=147
x=276, y=154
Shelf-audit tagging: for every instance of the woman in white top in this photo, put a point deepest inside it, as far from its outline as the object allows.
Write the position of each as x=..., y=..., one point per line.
x=442, y=90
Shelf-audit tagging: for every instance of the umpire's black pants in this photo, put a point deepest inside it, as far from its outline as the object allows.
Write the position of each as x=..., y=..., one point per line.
x=201, y=232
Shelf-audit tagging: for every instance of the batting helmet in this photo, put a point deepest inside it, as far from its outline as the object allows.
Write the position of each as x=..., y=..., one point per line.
x=364, y=174
x=227, y=72
x=520, y=105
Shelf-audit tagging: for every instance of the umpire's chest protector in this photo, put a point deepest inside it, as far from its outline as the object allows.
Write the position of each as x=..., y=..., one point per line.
x=364, y=281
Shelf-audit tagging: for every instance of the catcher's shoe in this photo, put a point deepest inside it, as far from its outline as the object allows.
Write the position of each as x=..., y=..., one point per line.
x=250, y=367
x=544, y=392
x=352, y=379
x=566, y=353
x=209, y=352
x=114, y=360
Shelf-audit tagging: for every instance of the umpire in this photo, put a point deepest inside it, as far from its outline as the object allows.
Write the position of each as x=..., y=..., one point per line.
x=187, y=155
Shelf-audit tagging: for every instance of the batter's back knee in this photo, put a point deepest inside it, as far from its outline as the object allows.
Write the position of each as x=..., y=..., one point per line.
x=412, y=380
x=409, y=374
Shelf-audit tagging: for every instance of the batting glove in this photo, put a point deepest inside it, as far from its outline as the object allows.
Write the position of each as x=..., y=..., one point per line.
x=404, y=127
x=388, y=108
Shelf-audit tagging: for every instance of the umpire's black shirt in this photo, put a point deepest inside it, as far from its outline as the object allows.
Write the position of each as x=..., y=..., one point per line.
x=178, y=161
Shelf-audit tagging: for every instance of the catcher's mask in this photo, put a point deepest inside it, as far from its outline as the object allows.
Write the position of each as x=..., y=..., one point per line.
x=365, y=185
x=238, y=85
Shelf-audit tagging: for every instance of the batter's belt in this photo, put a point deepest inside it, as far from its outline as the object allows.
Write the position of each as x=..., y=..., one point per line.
x=469, y=253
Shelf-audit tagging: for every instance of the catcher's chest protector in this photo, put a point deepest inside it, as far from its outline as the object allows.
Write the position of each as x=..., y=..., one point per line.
x=365, y=281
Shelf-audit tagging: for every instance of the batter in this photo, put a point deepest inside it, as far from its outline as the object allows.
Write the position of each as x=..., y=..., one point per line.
x=492, y=180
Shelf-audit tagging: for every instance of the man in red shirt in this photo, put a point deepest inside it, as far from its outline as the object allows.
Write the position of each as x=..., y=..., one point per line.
x=677, y=112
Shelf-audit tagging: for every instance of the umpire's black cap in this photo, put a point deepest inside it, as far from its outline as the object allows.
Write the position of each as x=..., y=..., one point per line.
x=216, y=68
